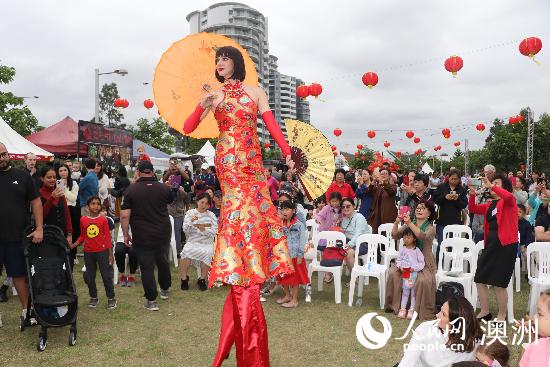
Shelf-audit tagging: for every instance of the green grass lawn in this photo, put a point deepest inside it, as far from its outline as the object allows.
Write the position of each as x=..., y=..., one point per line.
x=185, y=331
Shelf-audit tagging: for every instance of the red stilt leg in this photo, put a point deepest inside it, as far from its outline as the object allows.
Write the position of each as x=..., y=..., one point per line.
x=227, y=333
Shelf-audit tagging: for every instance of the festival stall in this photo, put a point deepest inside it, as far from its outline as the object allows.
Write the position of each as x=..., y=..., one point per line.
x=106, y=144
x=60, y=138
x=18, y=146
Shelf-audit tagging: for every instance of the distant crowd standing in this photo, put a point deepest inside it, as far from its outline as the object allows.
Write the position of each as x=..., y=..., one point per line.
x=86, y=199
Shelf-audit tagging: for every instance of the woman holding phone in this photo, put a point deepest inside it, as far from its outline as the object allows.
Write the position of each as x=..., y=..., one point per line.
x=424, y=286
x=496, y=264
x=70, y=191
x=383, y=193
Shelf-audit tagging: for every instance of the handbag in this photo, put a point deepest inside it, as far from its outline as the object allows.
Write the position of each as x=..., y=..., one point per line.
x=333, y=256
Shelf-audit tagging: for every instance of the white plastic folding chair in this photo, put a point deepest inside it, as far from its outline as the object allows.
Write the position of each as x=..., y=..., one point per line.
x=458, y=231
x=370, y=267
x=517, y=269
x=312, y=231
x=390, y=252
x=174, y=252
x=452, y=251
x=315, y=266
x=541, y=280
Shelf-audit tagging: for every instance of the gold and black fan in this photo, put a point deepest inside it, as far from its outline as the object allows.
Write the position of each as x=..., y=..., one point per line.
x=313, y=157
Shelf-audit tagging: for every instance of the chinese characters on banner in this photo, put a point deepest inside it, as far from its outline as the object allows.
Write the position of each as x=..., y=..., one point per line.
x=106, y=144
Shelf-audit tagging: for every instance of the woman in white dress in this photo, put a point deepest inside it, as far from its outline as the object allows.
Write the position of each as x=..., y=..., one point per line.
x=200, y=226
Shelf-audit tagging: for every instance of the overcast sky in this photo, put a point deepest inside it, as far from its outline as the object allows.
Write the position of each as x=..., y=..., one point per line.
x=55, y=46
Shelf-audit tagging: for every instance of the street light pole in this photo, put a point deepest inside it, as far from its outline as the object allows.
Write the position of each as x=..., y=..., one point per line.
x=96, y=96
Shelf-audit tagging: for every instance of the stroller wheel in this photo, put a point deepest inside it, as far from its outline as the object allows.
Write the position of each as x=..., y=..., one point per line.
x=22, y=323
x=41, y=345
x=72, y=338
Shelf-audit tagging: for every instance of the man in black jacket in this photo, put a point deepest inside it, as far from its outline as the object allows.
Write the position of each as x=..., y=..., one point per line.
x=451, y=199
x=145, y=209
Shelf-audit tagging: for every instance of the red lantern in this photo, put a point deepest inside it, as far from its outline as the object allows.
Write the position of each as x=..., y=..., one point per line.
x=360, y=146
x=371, y=134
x=315, y=90
x=446, y=133
x=357, y=154
x=125, y=103
x=418, y=152
x=148, y=104
x=398, y=154
x=118, y=103
x=335, y=154
x=387, y=144
x=333, y=148
x=363, y=158
x=370, y=79
x=409, y=134
x=416, y=140
x=480, y=127
x=530, y=47
x=337, y=132
x=453, y=64
x=520, y=118
x=457, y=143
x=435, y=149
x=513, y=120
x=302, y=91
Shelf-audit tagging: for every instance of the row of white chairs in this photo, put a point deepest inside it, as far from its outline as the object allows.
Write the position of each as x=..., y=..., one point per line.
x=457, y=263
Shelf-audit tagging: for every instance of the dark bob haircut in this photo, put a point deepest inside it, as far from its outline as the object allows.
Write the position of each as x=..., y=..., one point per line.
x=239, y=71
x=506, y=183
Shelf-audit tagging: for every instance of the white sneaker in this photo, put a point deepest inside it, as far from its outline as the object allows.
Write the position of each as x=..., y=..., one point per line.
x=1, y=320
x=14, y=291
x=263, y=299
x=308, y=293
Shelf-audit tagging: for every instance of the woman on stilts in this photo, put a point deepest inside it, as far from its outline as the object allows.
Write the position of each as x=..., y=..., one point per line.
x=250, y=245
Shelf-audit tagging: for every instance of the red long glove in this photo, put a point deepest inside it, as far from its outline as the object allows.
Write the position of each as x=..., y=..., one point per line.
x=193, y=120
x=276, y=132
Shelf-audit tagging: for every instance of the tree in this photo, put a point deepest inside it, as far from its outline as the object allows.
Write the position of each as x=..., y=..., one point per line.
x=12, y=109
x=359, y=162
x=155, y=133
x=107, y=111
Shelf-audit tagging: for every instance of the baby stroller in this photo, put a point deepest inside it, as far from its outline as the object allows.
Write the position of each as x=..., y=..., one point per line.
x=52, y=293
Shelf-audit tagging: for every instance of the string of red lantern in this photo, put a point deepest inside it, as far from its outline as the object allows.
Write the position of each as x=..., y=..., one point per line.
x=148, y=104
x=530, y=47
x=453, y=64
x=370, y=79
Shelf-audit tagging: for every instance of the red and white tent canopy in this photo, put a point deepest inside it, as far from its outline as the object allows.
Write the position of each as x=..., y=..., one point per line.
x=18, y=146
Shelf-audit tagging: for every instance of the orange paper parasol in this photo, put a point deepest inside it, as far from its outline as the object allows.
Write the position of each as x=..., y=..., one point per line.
x=182, y=72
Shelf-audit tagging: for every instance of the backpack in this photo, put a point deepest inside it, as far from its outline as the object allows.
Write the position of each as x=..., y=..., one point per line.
x=445, y=291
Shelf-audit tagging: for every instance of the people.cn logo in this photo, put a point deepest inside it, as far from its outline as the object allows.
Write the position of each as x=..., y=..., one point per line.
x=370, y=338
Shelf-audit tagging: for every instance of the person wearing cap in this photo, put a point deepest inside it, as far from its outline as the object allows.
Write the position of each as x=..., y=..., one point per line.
x=145, y=209
x=205, y=179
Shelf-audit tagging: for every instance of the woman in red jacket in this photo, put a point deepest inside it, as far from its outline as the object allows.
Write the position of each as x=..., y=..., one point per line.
x=496, y=264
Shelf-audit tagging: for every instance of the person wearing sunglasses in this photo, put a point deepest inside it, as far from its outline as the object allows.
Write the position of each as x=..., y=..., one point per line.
x=424, y=287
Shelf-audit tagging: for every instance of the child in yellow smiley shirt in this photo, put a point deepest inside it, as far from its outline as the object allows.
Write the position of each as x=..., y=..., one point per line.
x=98, y=252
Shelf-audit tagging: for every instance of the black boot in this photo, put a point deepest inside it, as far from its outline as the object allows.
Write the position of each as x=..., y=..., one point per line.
x=202, y=284
x=185, y=284
x=4, y=293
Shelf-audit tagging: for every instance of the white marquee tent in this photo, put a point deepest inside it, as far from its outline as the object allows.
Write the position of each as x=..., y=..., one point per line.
x=18, y=146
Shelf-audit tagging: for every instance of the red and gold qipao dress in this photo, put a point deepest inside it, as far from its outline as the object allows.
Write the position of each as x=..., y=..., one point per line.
x=250, y=245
